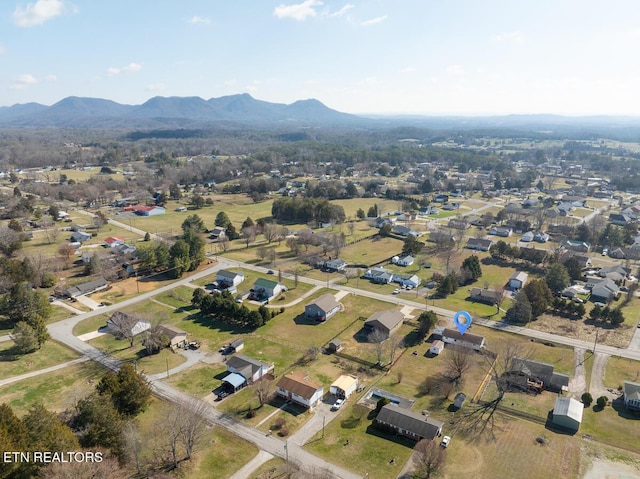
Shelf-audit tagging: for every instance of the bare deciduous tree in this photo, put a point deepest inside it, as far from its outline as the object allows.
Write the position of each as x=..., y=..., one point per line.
x=51, y=233
x=270, y=232
x=263, y=389
x=377, y=338
x=458, y=362
x=429, y=459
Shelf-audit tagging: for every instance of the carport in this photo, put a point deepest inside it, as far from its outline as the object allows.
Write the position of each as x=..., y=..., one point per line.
x=235, y=380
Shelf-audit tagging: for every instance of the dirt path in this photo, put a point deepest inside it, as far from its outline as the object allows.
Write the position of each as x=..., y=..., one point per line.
x=596, y=386
x=601, y=469
x=578, y=383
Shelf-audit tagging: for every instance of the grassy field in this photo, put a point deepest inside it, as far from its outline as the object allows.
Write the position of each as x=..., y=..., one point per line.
x=198, y=380
x=619, y=370
x=58, y=390
x=50, y=354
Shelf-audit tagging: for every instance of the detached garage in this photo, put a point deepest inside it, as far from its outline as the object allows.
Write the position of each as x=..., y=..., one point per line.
x=344, y=386
x=567, y=413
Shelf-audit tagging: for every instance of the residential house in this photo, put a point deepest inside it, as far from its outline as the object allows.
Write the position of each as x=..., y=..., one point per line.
x=386, y=322
x=458, y=224
x=125, y=249
x=176, y=336
x=404, y=231
x=250, y=369
x=479, y=244
x=575, y=245
x=86, y=288
x=631, y=395
x=80, y=237
x=466, y=340
x=488, y=296
x=527, y=237
x=148, y=210
x=218, y=234
x=379, y=275
x=229, y=278
x=266, y=289
x=567, y=413
x=296, y=387
x=436, y=347
x=518, y=280
x=344, y=386
x=620, y=219
x=112, y=242
x=583, y=260
x=406, y=260
x=408, y=423
x=502, y=231
x=407, y=281
x=616, y=273
x=530, y=202
x=335, y=264
x=124, y=325
x=604, y=291
x=540, y=237
x=526, y=374
x=322, y=308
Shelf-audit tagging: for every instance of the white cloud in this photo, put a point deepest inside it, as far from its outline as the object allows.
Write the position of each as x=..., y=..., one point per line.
x=155, y=87
x=24, y=81
x=50, y=78
x=510, y=37
x=131, y=67
x=196, y=20
x=300, y=11
x=374, y=21
x=342, y=11
x=37, y=13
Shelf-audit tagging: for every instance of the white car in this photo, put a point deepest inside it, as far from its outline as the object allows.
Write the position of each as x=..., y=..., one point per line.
x=337, y=405
x=445, y=441
x=396, y=291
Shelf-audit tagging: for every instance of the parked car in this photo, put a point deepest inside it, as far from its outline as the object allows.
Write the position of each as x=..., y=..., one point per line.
x=578, y=300
x=445, y=441
x=396, y=291
x=270, y=272
x=337, y=405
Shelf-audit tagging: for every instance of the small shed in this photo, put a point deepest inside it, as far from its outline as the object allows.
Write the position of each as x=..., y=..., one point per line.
x=518, y=280
x=459, y=400
x=237, y=345
x=436, y=347
x=567, y=413
x=335, y=345
x=177, y=337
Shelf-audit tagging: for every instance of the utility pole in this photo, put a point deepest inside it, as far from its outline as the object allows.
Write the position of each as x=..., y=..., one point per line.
x=286, y=450
x=323, y=419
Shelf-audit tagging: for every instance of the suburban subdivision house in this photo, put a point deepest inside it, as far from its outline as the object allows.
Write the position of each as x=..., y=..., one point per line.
x=112, y=242
x=266, y=289
x=143, y=210
x=567, y=413
x=124, y=325
x=176, y=336
x=632, y=396
x=379, y=275
x=297, y=388
x=322, y=308
x=406, y=260
x=579, y=246
x=466, y=340
x=86, y=288
x=80, y=237
x=336, y=264
x=250, y=369
x=408, y=423
x=604, y=291
x=411, y=281
x=488, y=296
x=502, y=231
x=479, y=244
x=344, y=386
x=620, y=219
x=526, y=374
x=518, y=280
x=229, y=278
x=404, y=231
x=217, y=234
x=386, y=322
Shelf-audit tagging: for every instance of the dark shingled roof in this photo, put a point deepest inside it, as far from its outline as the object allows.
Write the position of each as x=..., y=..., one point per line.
x=421, y=426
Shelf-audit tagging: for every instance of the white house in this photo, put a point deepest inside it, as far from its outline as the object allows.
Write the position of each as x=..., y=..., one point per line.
x=467, y=340
x=297, y=388
x=123, y=325
x=251, y=369
x=406, y=260
x=322, y=308
x=344, y=386
x=266, y=289
x=632, y=395
x=229, y=278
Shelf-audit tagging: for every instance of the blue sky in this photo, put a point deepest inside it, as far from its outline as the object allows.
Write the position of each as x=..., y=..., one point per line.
x=371, y=56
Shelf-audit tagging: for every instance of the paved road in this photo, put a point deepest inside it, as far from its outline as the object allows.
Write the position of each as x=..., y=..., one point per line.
x=597, y=387
x=42, y=371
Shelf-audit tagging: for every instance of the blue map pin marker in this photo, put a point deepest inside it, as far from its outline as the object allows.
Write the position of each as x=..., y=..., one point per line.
x=462, y=320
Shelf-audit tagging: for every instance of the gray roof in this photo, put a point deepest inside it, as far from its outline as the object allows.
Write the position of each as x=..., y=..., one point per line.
x=421, y=426
x=519, y=275
x=388, y=319
x=467, y=337
x=326, y=302
x=85, y=288
x=568, y=407
x=631, y=390
x=246, y=365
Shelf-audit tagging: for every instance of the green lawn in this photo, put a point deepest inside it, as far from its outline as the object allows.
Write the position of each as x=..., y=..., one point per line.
x=619, y=370
x=90, y=325
x=50, y=354
x=198, y=380
x=58, y=390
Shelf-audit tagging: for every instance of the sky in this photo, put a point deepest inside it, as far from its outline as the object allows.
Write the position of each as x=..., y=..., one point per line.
x=432, y=57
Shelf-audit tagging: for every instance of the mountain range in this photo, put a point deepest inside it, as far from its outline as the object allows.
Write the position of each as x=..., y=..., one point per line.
x=80, y=112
